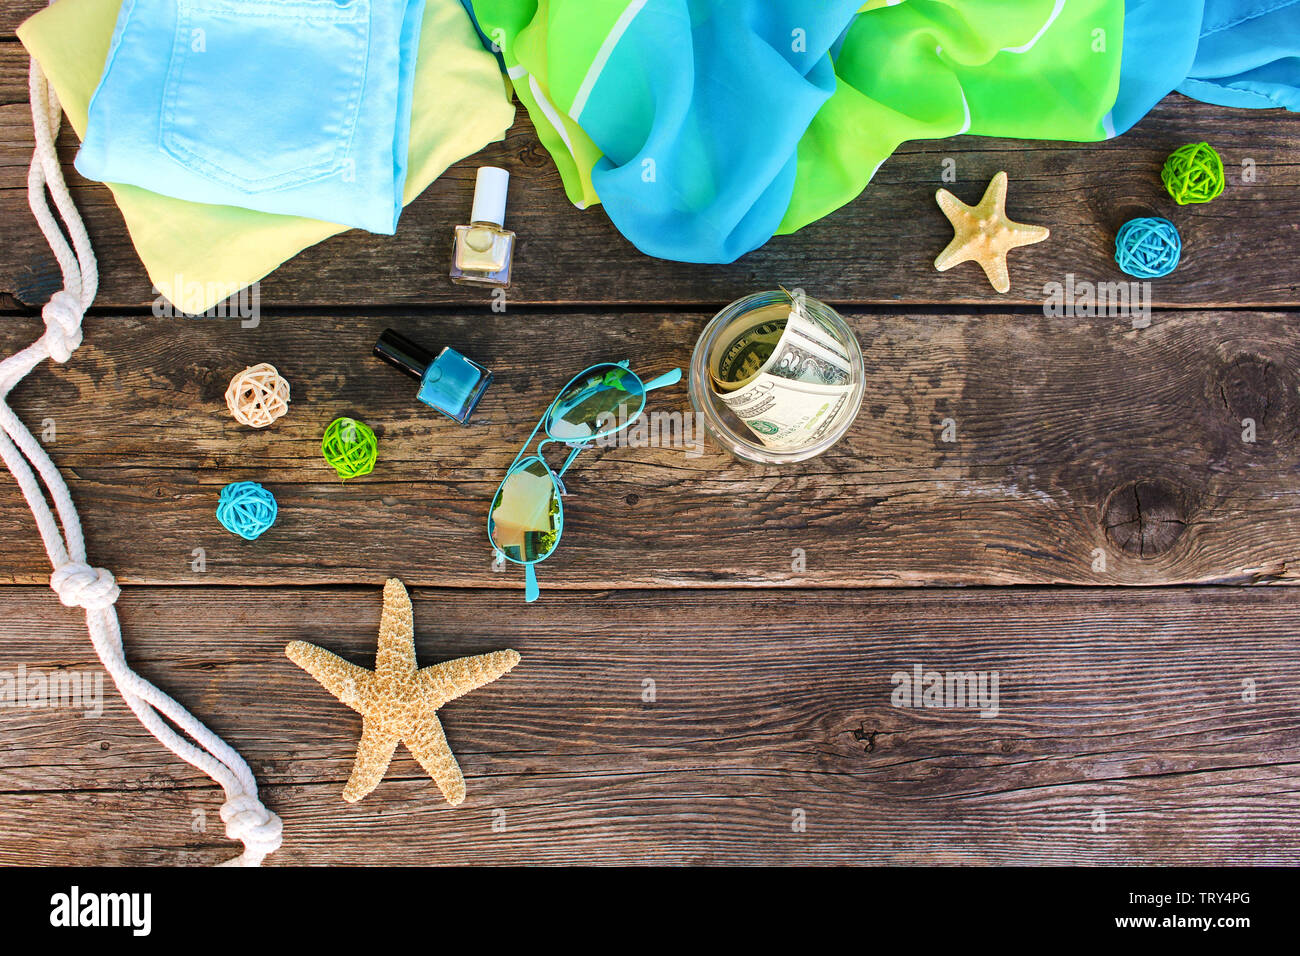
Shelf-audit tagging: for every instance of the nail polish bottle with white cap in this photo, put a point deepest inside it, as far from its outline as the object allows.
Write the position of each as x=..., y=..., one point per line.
x=483, y=248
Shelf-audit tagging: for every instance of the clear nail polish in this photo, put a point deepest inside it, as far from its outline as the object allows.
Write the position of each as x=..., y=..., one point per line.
x=449, y=382
x=483, y=249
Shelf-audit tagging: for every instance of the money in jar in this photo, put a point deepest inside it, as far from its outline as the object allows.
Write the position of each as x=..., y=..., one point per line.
x=785, y=370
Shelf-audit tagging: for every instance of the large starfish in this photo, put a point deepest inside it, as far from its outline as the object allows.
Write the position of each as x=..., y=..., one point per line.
x=396, y=701
x=984, y=233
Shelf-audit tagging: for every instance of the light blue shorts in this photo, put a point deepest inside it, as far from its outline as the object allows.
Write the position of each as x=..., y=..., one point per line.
x=286, y=106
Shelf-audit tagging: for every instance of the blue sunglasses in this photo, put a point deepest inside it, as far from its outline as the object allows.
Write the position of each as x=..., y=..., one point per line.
x=527, y=514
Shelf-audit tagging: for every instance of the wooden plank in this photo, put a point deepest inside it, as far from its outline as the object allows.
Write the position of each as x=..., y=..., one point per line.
x=14, y=12
x=1239, y=250
x=1085, y=452
x=1169, y=716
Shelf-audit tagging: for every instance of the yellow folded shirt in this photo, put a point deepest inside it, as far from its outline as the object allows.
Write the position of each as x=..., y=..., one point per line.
x=198, y=254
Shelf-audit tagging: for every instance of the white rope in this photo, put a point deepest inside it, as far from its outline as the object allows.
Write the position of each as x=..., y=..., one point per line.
x=76, y=582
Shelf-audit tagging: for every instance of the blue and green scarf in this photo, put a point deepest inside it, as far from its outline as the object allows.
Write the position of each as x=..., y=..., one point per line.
x=707, y=126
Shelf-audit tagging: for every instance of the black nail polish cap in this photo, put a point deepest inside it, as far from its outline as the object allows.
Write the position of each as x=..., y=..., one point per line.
x=403, y=354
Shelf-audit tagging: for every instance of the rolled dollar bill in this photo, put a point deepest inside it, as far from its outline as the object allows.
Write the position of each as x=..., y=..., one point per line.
x=807, y=354
x=746, y=347
x=781, y=340
x=784, y=413
x=782, y=374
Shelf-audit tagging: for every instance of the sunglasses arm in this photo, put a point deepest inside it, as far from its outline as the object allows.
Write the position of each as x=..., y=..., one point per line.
x=668, y=378
x=531, y=591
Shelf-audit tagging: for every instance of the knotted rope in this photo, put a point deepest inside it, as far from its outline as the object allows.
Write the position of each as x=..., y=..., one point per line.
x=76, y=582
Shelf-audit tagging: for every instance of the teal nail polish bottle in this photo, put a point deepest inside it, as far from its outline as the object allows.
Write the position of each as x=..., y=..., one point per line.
x=449, y=382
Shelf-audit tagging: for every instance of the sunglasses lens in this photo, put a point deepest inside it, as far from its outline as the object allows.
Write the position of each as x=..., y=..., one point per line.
x=524, y=520
x=599, y=401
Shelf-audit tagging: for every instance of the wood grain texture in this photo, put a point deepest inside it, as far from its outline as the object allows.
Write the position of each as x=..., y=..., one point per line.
x=14, y=12
x=759, y=604
x=1239, y=250
x=1054, y=420
x=1131, y=703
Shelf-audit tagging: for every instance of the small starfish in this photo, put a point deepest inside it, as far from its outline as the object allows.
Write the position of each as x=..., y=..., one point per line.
x=398, y=702
x=984, y=233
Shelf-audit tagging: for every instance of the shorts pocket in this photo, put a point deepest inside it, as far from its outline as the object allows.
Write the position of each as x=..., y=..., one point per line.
x=265, y=95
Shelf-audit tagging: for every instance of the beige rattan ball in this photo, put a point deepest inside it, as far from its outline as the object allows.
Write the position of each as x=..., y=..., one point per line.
x=258, y=395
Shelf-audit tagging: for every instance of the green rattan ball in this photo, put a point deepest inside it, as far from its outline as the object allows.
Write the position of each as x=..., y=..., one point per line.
x=1193, y=173
x=351, y=447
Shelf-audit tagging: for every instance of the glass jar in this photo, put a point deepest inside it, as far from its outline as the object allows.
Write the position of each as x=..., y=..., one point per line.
x=728, y=430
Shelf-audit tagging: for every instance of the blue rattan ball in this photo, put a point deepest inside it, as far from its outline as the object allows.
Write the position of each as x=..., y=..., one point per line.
x=246, y=509
x=1148, y=248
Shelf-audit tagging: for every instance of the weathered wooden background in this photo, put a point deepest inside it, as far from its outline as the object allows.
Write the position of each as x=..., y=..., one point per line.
x=766, y=608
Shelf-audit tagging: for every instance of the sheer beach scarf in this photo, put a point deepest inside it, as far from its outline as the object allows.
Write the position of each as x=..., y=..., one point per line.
x=705, y=127
x=77, y=583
